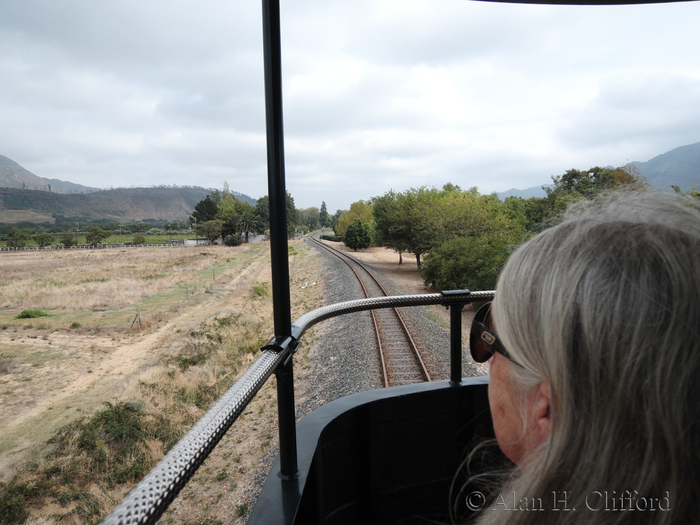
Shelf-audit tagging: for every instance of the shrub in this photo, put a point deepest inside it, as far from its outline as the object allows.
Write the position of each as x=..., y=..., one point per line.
x=139, y=238
x=332, y=238
x=67, y=239
x=234, y=240
x=31, y=314
x=17, y=238
x=96, y=235
x=357, y=236
x=111, y=444
x=44, y=239
x=13, y=497
x=472, y=263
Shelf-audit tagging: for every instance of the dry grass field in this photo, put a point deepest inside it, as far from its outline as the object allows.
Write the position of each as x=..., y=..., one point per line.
x=107, y=357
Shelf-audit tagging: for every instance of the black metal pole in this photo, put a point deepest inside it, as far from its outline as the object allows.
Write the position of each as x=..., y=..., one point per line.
x=277, y=195
x=456, y=344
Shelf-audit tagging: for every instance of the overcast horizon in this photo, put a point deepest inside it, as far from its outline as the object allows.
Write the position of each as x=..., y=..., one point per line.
x=378, y=95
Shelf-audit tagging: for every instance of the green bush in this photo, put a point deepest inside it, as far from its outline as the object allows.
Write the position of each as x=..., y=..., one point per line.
x=357, y=236
x=260, y=289
x=44, y=239
x=111, y=443
x=17, y=238
x=472, y=263
x=13, y=497
x=31, y=314
x=233, y=240
x=67, y=239
x=332, y=238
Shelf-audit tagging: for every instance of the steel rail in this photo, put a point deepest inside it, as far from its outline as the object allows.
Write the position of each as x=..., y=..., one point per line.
x=375, y=322
x=382, y=349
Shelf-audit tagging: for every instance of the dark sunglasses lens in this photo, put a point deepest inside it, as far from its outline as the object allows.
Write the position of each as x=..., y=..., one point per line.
x=480, y=341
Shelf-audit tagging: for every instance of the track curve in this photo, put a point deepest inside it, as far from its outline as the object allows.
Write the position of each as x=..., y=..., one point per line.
x=401, y=360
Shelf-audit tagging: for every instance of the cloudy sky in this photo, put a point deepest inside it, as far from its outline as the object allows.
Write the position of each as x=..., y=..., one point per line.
x=378, y=94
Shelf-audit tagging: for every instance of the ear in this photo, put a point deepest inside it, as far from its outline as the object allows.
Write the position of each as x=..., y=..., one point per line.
x=542, y=412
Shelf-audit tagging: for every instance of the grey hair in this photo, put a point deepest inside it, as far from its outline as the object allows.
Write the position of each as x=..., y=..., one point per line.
x=605, y=307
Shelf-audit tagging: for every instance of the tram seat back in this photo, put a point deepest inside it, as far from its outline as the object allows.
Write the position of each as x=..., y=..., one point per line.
x=384, y=456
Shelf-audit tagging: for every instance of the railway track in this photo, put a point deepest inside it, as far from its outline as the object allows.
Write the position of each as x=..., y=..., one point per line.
x=401, y=361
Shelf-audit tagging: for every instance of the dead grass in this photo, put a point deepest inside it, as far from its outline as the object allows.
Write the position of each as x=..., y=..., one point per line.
x=202, y=324
x=86, y=280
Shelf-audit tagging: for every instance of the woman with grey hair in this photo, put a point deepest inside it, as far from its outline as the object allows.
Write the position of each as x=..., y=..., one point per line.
x=593, y=341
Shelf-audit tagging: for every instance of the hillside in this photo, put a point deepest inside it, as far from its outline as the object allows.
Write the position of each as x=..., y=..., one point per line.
x=678, y=167
x=12, y=175
x=25, y=197
x=124, y=204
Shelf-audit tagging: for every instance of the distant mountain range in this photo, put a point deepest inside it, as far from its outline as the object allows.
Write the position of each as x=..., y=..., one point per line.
x=12, y=175
x=678, y=167
x=25, y=197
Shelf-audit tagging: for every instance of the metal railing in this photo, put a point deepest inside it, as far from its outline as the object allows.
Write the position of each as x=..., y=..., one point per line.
x=152, y=496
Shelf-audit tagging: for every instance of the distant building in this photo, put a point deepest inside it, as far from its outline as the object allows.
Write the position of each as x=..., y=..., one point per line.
x=252, y=239
x=200, y=242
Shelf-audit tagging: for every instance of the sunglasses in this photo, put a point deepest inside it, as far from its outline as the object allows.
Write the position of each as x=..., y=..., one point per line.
x=483, y=343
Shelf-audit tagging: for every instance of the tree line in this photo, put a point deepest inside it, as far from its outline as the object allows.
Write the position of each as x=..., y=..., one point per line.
x=221, y=215
x=460, y=238
x=43, y=236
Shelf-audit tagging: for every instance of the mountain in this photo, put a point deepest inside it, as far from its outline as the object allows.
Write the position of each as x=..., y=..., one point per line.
x=678, y=167
x=12, y=175
x=535, y=191
x=24, y=197
x=128, y=205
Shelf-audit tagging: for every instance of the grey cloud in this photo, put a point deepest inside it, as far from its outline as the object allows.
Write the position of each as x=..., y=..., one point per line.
x=378, y=94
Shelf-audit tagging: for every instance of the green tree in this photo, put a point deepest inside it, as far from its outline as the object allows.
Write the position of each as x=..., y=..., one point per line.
x=205, y=210
x=96, y=235
x=262, y=209
x=247, y=221
x=210, y=230
x=410, y=221
x=335, y=217
x=67, y=239
x=17, y=238
x=228, y=215
x=292, y=215
x=323, y=216
x=358, y=210
x=138, y=239
x=385, y=211
x=472, y=263
x=311, y=218
x=44, y=239
x=419, y=220
x=357, y=236
x=576, y=184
